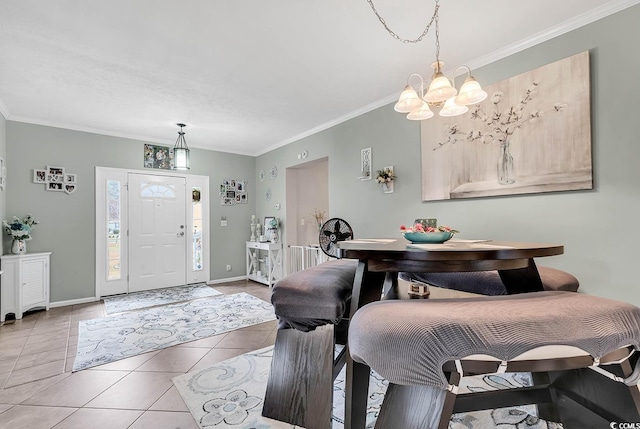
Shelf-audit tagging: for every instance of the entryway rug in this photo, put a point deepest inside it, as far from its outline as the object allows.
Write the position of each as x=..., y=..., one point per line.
x=124, y=335
x=230, y=395
x=152, y=298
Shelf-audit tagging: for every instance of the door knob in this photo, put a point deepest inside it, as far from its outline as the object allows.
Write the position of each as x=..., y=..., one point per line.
x=180, y=234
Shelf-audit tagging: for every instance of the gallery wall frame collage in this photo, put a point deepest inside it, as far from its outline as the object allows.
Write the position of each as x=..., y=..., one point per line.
x=56, y=179
x=233, y=192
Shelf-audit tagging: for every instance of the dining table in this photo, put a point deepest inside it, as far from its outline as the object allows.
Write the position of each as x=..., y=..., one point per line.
x=380, y=260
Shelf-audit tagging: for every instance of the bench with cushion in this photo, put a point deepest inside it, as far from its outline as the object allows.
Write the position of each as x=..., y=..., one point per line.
x=489, y=282
x=584, y=349
x=311, y=306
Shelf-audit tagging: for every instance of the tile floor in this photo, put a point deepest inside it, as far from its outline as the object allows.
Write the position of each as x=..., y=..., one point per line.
x=40, y=392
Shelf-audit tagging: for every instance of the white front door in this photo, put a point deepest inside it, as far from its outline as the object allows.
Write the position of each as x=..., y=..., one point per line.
x=157, y=232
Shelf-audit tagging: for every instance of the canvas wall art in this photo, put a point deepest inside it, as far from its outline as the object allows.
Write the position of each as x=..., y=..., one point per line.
x=532, y=134
x=158, y=157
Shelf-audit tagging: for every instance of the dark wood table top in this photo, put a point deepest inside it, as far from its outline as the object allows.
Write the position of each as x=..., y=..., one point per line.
x=453, y=255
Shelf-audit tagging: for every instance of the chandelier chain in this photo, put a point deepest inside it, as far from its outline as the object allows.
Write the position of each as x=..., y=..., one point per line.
x=419, y=38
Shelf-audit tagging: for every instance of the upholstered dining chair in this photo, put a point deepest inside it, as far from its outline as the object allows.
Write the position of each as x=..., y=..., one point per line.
x=585, y=346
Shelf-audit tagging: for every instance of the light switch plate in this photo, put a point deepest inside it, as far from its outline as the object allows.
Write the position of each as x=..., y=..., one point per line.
x=277, y=206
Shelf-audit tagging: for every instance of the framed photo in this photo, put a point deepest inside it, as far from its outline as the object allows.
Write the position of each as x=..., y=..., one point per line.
x=243, y=197
x=39, y=176
x=365, y=164
x=266, y=231
x=158, y=157
x=55, y=174
x=55, y=186
x=227, y=201
x=70, y=178
x=70, y=188
x=240, y=185
x=231, y=194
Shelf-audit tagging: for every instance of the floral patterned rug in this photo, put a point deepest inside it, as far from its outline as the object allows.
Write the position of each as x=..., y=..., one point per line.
x=124, y=335
x=230, y=394
x=152, y=298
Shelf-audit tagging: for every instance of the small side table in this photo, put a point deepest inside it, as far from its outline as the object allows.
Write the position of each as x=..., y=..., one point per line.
x=25, y=283
x=267, y=256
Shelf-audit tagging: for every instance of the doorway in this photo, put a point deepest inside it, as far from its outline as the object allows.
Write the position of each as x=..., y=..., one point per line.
x=151, y=230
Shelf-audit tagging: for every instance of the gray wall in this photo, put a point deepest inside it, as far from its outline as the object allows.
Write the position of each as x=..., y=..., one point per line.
x=67, y=221
x=597, y=227
x=3, y=154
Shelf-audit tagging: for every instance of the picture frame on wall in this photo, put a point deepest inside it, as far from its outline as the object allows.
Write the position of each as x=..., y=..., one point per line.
x=365, y=164
x=70, y=178
x=55, y=174
x=39, y=176
x=55, y=186
x=265, y=230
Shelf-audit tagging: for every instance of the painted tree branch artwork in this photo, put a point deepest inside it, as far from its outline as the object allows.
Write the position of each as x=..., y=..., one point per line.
x=531, y=135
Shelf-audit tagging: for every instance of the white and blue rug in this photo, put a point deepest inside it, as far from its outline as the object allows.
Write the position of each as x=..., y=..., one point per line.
x=152, y=298
x=124, y=335
x=230, y=395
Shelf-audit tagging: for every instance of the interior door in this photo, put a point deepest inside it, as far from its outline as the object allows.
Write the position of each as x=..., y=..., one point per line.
x=157, y=232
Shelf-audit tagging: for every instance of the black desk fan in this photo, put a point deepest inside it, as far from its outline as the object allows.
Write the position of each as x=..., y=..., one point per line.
x=331, y=232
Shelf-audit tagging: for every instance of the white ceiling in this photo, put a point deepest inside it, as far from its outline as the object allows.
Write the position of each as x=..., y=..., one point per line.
x=246, y=76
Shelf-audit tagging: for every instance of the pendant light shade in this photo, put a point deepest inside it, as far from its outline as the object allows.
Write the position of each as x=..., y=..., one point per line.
x=452, y=109
x=421, y=114
x=470, y=93
x=408, y=100
x=181, y=151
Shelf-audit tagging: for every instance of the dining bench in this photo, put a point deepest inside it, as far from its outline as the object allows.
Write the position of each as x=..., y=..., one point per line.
x=312, y=307
x=490, y=282
x=585, y=346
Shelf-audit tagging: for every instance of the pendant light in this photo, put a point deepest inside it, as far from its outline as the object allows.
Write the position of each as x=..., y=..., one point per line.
x=181, y=151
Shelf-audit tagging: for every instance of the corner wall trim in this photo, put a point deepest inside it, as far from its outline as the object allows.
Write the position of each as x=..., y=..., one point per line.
x=73, y=302
x=230, y=279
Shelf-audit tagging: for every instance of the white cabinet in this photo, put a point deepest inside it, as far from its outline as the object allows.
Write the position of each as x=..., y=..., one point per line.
x=25, y=283
x=264, y=262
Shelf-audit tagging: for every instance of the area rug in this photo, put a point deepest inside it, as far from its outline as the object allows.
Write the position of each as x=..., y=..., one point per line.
x=230, y=395
x=124, y=335
x=152, y=298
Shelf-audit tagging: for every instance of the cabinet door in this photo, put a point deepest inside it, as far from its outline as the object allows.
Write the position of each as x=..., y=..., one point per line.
x=33, y=282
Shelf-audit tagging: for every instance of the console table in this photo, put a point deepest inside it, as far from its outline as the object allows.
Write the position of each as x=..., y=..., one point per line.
x=25, y=283
x=264, y=262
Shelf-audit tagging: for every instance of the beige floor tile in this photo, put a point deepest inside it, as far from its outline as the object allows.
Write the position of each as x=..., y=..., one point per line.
x=35, y=373
x=165, y=420
x=271, y=339
x=208, y=342
x=59, y=328
x=17, y=394
x=10, y=353
x=174, y=359
x=76, y=390
x=170, y=401
x=216, y=356
x=32, y=417
x=244, y=340
x=7, y=364
x=17, y=325
x=128, y=364
x=73, y=340
x=72, y=351
x=60, y=335
x=42, y=346
x=266, y=326
x=40, y=358
x=93, y=418
x=73, y=330
x=136, y=391
x=68, y=366
x=13, y=343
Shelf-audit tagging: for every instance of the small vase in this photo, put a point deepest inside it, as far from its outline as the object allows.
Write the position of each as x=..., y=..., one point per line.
x=19, y=247
x=505, y=165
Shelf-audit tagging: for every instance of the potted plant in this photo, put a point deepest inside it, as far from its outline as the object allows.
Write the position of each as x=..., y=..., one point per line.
x=20, y=231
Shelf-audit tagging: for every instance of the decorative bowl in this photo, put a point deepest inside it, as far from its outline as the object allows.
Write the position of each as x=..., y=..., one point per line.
x=428, y=237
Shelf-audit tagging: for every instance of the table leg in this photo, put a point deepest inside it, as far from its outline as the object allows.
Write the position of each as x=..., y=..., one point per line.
x=367, y=287
x=522, y=280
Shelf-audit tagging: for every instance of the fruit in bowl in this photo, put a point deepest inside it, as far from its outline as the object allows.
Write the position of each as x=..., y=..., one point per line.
x=419, y=234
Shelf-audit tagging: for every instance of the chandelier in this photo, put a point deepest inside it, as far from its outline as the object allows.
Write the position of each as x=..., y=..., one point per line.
x=441, y=92
x=181, y=151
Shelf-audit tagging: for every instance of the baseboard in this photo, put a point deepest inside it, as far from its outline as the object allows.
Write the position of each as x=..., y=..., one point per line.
x=227, y=280
x=73, y=302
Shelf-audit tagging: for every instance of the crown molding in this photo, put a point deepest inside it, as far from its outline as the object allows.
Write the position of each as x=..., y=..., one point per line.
x=4, y=110
x=555, y=31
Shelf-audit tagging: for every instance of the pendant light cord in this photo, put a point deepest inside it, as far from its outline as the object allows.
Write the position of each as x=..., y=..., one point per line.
x=424, y=33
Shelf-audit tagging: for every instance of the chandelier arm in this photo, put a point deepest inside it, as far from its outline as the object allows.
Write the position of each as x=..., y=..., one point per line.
x=419, y=38
x=421, y=82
